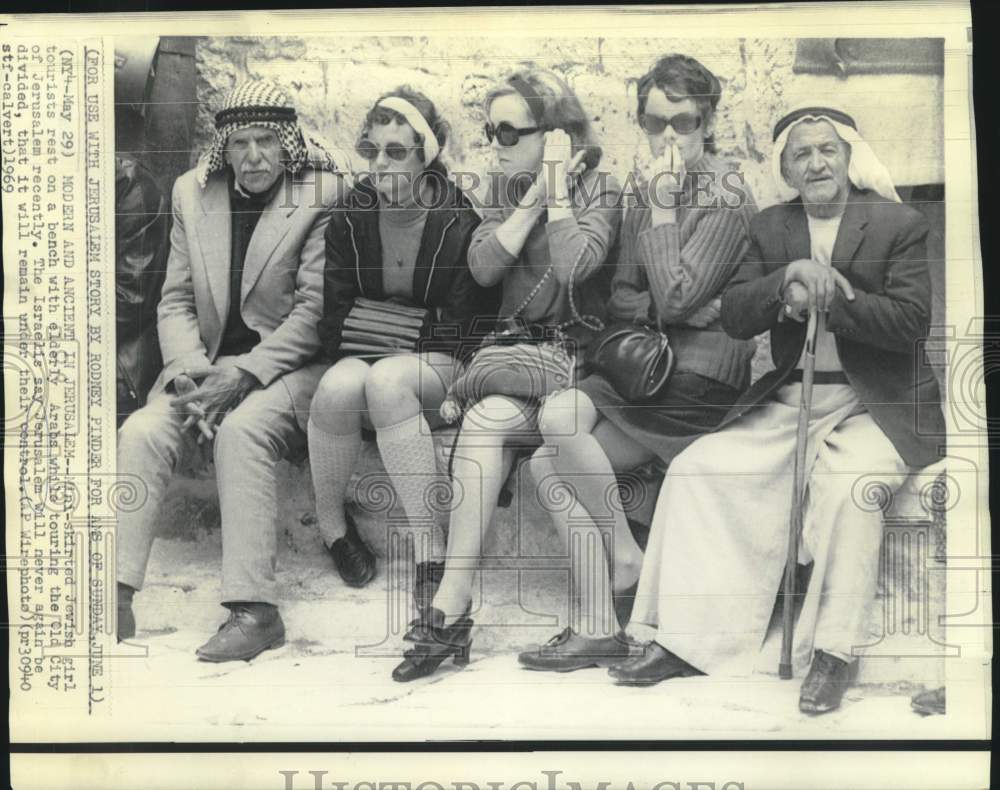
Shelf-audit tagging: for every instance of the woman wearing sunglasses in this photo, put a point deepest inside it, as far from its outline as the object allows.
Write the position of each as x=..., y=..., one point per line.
x=545, y=227
x=401, y=235
x=678, y=249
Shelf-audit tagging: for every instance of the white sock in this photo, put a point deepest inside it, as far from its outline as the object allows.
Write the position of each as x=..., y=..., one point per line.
x=409, y=457
x=332, y=459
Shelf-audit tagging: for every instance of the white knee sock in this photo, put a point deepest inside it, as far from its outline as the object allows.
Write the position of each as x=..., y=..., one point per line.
x=408, y=454
x=332, y=459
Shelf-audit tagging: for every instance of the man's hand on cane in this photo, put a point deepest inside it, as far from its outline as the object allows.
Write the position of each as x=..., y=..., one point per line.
x=811, y=286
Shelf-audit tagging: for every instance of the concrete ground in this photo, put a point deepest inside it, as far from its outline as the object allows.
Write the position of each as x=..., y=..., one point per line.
x=331, y=681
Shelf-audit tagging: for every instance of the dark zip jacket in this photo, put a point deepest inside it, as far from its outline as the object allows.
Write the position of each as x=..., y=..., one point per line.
x=142, y=227
x=462, y=310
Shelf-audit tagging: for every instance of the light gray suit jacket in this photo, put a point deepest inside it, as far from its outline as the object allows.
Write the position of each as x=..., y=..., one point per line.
x=282, y=292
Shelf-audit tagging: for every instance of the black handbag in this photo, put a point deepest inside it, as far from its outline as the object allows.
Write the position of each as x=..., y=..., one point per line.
x=635, y=358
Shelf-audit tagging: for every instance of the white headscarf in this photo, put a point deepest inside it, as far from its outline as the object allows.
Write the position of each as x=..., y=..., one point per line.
x=865, y=170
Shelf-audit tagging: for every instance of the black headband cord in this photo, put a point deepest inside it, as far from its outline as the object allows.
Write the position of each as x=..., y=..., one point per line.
x=834, y=115
x=530, y=96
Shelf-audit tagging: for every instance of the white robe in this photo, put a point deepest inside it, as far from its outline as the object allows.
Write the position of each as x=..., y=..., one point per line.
x=719, y=536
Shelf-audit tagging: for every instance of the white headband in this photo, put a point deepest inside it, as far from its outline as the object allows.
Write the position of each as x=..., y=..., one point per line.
x=865, y=170
x=417, y=121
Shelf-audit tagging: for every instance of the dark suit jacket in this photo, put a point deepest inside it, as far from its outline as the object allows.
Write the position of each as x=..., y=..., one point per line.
x=881, y=250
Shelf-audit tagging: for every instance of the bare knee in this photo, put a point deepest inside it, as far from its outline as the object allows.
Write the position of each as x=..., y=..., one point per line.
x=492, y=416
x=340, y=397
x=391, y=390
x=564, y=416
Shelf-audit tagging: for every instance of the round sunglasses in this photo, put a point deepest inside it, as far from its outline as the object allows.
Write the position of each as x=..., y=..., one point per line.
x=506, y=134
x=683, y=123
x=397, y=152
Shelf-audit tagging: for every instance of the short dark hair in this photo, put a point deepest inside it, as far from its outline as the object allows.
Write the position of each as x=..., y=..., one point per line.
x=682, y=77
x=383, y=115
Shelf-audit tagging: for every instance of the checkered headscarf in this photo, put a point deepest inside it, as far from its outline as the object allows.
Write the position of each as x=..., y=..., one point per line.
x=259, y=102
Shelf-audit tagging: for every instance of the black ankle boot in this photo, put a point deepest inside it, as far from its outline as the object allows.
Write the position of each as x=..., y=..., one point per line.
x=426, y=581
x=433, y=643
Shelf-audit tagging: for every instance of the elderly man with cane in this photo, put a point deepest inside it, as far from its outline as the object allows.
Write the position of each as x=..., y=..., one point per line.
x=845, y=257
x=237, y=324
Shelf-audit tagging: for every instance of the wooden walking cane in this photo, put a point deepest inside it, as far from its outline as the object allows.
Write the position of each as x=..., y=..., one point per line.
x=798, y=490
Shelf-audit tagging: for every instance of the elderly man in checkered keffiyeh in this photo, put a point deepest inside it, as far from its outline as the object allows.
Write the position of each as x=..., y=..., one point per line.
x=237, y=325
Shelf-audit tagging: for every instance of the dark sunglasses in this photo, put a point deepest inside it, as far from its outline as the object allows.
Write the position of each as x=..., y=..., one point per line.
x=397, y=152
x=506, y=134
x=683, y=123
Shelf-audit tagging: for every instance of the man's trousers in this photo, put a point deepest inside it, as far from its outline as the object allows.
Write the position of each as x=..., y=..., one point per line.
x=247, y=447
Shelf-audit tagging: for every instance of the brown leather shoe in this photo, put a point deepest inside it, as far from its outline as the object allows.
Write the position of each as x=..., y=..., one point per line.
x=653, y=665
x=251, y=629
x=824, y=686
x=567, y=652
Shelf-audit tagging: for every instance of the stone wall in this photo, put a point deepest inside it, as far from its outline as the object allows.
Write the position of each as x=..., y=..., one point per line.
x=334, y=81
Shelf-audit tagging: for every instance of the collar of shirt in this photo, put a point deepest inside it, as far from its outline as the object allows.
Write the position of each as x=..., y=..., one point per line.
x=256, y=200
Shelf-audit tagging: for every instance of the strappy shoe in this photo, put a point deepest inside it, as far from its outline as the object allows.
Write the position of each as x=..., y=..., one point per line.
x=433, y=643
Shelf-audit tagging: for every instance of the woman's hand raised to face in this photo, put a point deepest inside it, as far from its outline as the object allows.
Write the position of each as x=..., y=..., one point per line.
x=559, y=167
x=669, y=172
x=558, y=151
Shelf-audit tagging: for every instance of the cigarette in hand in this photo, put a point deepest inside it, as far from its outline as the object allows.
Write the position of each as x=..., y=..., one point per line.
x=206, y=431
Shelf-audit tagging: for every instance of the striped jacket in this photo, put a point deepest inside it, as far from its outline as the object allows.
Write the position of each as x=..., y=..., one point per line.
x=670, y=271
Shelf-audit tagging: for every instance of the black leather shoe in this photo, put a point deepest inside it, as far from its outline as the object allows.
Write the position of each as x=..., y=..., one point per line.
x=825, y=684
x=354, y=561
x=251, y=629
x=433, y=644
x=126, y=617
x=929, y=703
x=567, y=652
x=652, y=666
x=426, y=582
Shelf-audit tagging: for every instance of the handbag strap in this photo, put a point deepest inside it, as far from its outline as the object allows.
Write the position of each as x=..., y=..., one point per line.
x=589, y=321
x=534, y=292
